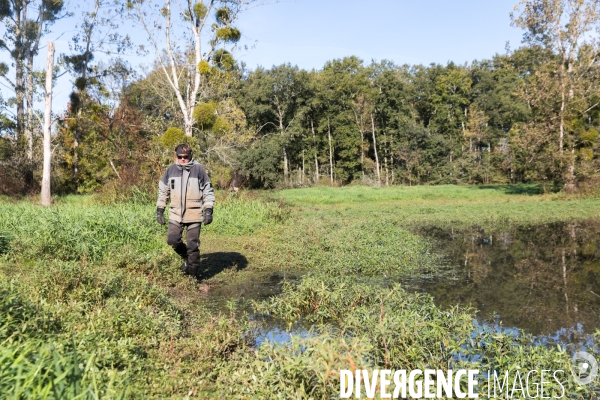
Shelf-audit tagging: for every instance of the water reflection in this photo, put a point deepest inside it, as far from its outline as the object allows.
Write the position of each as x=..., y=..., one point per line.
x=543, y=279
x=255, y=287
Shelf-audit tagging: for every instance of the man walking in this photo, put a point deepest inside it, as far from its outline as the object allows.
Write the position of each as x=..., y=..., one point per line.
x=188, y=187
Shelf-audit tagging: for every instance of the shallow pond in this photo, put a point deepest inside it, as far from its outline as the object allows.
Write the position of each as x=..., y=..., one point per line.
x=544, y=279
x=258, y=286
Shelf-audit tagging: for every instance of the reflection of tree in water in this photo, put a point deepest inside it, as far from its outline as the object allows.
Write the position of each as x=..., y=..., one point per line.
x=540, y=278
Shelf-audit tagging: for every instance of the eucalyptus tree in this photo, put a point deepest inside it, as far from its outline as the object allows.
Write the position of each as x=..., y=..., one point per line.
x=565, y=89
x=177, y=31
x=46, y=198
x=25, y=22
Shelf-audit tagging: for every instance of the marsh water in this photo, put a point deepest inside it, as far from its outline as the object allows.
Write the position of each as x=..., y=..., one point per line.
x=258, y=286
x=544, y=279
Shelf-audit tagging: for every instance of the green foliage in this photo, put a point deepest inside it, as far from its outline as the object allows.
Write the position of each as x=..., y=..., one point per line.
x=5, y=10
x=223, y=60
x=589, y=135
x=239, y=216
x=228, y=34
x=223, y=15
x=92, y=302
x=220, y=126
x=200, y=10
x=34, y=365
x=203, y=67
x=52, y=9
x=75, y=101
x=80, y=83
x=35, y=369
x=99, y=319
x=204, y=114
x=5, y=239
x=435, y=124
x=70, y=233
x=172, y=137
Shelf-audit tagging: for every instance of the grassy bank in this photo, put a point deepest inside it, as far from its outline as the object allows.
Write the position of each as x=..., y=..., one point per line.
x=94, y=305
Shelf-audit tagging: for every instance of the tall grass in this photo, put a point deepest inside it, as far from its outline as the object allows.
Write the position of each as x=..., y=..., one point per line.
x=96, y=232
x=93, y=305
x=99, y=320
x=37, y=370
x=243, y=216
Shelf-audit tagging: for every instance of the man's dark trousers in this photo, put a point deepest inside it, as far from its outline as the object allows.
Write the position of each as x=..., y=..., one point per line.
x=189, y=252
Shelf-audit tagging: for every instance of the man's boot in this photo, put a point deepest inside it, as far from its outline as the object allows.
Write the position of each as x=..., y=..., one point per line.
x=184, y=267
x=188, y=268
x=192, y=270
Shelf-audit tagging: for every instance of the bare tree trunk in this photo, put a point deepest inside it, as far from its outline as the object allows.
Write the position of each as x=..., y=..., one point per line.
x=282, y=132
x=46, y=197
x=20, y=19
x=29, y=101
x=285, y=166
x=115, y=169
x=571, y=178
x=362, y=150
x=76, y=156
x=375, y=150
x=385, y=159
x=316, y=169
x=302, y=181
x=330, y=151
x=562, y=110
x=387, y=172
x=20, y=100
x=359, y=125
x=312, y=127
x=32, y=49
x=391, y=162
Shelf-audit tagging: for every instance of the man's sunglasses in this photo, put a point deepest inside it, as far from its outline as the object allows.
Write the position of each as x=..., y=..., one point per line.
x=184, y=157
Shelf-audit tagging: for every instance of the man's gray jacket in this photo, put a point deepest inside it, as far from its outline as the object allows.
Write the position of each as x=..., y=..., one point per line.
x=190, y=191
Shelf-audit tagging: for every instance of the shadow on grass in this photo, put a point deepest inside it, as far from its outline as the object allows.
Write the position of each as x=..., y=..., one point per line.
x=212, y=264
x=521, y=188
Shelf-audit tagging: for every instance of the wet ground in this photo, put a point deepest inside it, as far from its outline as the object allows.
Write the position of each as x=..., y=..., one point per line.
x=258, y=286
x=544, y=279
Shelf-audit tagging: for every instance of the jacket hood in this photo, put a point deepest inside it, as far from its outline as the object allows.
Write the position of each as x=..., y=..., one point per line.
x=187, y=166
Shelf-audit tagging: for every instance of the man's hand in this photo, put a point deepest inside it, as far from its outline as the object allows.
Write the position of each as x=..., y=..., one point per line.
x=208, y=216
x=160, y=215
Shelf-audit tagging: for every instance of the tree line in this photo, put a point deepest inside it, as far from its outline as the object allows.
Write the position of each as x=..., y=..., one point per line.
x=529, y=115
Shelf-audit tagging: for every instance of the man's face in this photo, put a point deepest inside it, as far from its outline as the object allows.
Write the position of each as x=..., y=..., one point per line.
x=182, y=159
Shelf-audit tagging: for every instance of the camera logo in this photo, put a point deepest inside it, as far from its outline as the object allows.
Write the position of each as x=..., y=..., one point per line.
x=585, y=367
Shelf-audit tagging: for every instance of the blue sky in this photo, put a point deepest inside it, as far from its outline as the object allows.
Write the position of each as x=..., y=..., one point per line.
x=310, y=32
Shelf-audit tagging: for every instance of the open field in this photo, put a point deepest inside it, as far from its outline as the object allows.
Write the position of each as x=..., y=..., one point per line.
x=94, y=305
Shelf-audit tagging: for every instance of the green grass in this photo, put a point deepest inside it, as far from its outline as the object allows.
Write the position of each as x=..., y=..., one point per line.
x=486, y=206
x=93, y=304
x=325, y=195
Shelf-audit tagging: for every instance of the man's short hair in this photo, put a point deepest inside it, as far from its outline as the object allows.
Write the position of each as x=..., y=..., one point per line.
x=183, y=149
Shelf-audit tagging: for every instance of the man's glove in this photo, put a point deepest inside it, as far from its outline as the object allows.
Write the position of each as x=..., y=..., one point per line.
x=160, y=215
x=208, y=216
